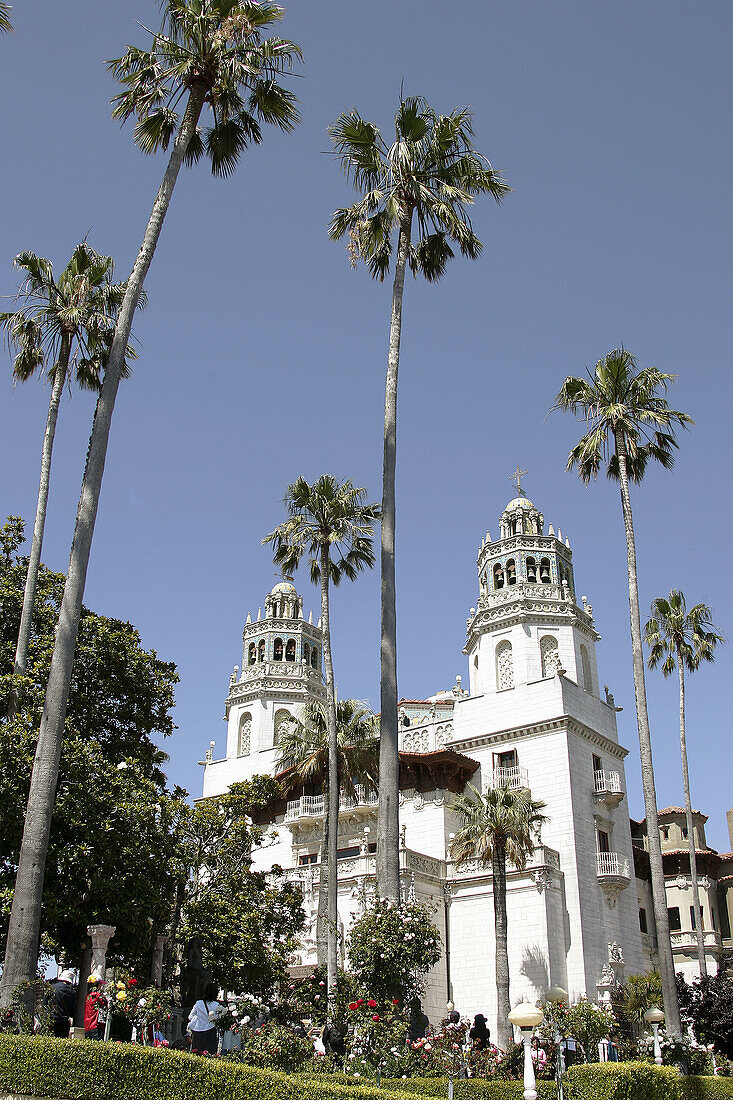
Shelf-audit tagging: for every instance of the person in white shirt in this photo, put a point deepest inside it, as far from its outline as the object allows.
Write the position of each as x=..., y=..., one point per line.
x=201, y=1021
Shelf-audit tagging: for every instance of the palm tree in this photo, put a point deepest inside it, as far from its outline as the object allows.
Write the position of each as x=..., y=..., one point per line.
x=303, y=747
x=499, y=826
x=331, y=523
x=678, y=638
x=5, y=24
x=428, y=175
x=208, y=52
x=628, y=423
x=57, y=318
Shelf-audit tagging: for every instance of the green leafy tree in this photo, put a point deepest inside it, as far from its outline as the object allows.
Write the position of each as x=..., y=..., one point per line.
x=58, y=322
x=628, y=424
x=709, y=1009
x=113, y=846
x=5, y=24
x=246, y=921
x=416, y=188
x=209, y=53
x=391, y=948
x=331, y=523
x=303, y=751
x=681, y=639
x=498, y=827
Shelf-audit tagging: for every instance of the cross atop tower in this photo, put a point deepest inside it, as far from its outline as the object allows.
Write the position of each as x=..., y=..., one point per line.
x=517, y=476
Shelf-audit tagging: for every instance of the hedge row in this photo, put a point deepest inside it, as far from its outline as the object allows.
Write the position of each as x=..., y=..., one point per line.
x=77, y=1069
x=641, y=1081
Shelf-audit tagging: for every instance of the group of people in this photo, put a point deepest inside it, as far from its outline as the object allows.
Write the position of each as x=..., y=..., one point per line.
x=64, y=1000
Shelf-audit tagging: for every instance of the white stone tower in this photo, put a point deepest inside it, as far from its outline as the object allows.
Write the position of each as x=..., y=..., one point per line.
x=282, y=658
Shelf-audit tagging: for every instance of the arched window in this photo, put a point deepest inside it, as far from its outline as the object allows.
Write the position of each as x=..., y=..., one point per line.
x=511, y=572
x=314, y=657
x=498, y=576
x=283, y=720
x=531, y=570
x=585, y=665
x=290, y=650
x=245, y=734
x=261, y=650
x=550, y=655
x=544, y=570
x=251, y=654
x=504, y=666
x=306, y=652
x=277, y=649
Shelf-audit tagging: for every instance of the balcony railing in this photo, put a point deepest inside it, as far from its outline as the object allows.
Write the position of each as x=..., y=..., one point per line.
x=313, y=805
x=513, y=778
x=689, y=939
x=607, y=783
x=612, y=865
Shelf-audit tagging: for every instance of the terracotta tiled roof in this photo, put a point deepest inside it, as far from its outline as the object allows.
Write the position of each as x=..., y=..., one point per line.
x=680, y=810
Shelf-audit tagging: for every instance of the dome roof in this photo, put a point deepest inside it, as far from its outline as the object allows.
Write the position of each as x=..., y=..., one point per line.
x=519, y=502
x=283, y=586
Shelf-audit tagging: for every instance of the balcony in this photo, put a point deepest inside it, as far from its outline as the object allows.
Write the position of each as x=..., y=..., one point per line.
x=514, y=778
x=612, y=870
x=687, y=941
x=607, y=788
x=313, y=805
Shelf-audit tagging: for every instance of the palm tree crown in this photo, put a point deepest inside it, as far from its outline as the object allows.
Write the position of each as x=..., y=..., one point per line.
x=619, y=397
x=80, y=306
x=5, y=24
x=304, y=745
x=674, y=631
x=219, y=46
x=430, y=170
x=326, y=515
x=502, y=818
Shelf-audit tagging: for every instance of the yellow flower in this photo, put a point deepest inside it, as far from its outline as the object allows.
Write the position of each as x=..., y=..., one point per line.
x=122, y=996
x=120, y=985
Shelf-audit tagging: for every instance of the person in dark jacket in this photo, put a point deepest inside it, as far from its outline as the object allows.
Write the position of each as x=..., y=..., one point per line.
x=334, y=1042
x=418, y=1024
x=479, y=1034
x=64, y=1004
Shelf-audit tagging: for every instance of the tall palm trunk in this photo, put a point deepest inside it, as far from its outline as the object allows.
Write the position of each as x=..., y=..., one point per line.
x=690, y=826
x=31, y=580
x=388, y=823
x=501, y=954
x=664, y=944
x=322, y=911
x=333, y=789
x=21, y=952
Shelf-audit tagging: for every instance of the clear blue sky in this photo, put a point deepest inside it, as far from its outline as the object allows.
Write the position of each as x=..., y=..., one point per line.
x=262, y=354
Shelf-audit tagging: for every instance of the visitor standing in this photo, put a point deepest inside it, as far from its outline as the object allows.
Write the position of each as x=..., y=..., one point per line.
x=64, y=1004
x=479, y=1034
x=418, y=1024
x=94, y=1009
x=201, y=1021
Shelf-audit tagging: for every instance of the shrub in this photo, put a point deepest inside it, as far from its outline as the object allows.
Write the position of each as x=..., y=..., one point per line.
x=83, y=1070
x=474, y=1089
x=273, y=1046
x=622, y=1081
x=391, y=947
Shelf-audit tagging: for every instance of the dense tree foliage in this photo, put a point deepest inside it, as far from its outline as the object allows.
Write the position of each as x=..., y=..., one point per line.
x=114, y=855
x=707, y=1004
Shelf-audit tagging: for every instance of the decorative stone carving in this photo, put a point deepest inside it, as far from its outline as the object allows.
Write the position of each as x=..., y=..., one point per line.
x=542, y=879
x=100, y=935
x=245, y=734
x=504, y=665
x=549, y=655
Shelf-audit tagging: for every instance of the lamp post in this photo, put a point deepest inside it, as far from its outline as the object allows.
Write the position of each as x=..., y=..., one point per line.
x=557, y=996
x=655, y=1017
x=527, y=1017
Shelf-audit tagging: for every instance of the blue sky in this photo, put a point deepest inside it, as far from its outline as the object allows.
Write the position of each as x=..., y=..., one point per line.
x=262, y=355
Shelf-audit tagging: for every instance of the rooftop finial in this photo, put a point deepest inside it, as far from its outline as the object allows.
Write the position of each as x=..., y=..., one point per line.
x=517, y=476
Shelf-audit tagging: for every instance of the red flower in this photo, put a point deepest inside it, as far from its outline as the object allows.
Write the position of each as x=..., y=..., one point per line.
x=395, y=1002
x=132, y=981
x=360, y=1002
x=371, y=1004
x=353, y=1006
x=376, y=1019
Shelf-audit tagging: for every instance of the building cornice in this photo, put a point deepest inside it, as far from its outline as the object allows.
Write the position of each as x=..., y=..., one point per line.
x=562, y=724
x=514, y=610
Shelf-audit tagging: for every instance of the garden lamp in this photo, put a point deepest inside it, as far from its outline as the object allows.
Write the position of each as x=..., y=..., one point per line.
x=527, y=1017
x=655, y=1017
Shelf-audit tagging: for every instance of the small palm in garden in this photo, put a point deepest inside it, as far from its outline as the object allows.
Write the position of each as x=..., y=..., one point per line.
x=499, y=827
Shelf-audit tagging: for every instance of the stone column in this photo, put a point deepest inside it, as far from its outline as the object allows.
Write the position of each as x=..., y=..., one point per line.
x=100, y=934
x=156, y=970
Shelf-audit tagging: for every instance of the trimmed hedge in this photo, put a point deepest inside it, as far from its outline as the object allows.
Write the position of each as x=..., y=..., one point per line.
x=641, y=1081
x=474, y=1089
x=78, y=1069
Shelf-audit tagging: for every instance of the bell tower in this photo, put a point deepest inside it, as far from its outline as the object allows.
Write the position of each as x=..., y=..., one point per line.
x=527, y=623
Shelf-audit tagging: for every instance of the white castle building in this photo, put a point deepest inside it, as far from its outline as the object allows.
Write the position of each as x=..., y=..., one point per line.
x=533, y=716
